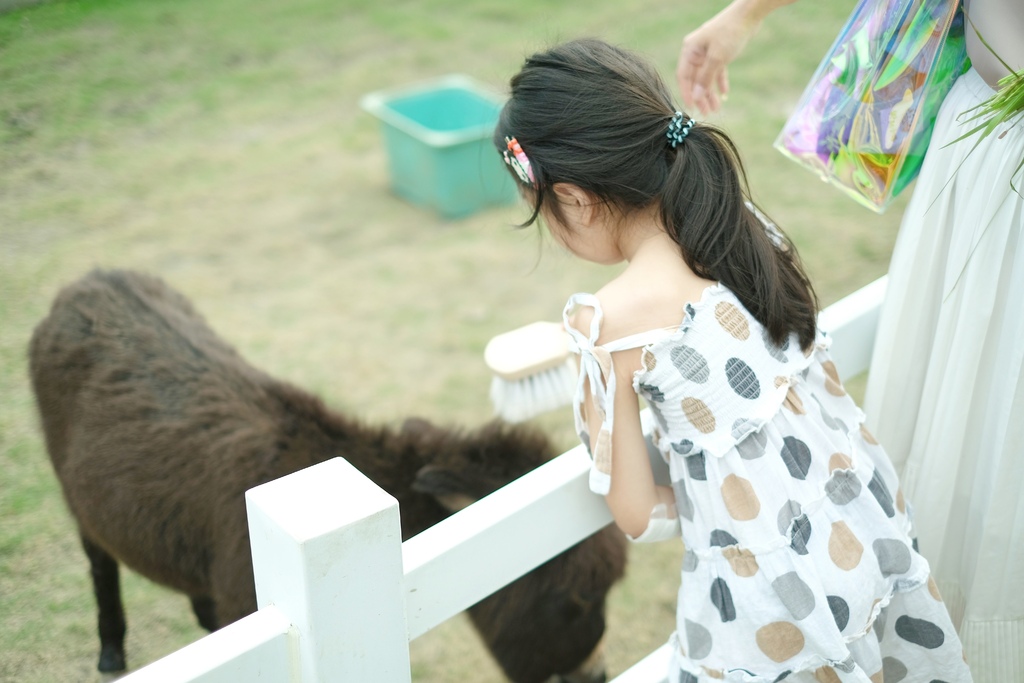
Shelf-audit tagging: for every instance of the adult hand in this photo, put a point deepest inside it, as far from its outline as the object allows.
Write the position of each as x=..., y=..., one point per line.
x=702, y=69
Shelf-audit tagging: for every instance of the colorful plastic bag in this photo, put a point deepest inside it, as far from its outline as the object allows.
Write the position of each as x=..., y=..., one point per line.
x=864, y=121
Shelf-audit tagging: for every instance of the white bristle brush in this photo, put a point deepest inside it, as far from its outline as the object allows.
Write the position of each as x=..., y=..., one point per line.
x=534, y=371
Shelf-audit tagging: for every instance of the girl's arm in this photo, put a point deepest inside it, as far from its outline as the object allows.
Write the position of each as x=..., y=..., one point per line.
x=641, y=509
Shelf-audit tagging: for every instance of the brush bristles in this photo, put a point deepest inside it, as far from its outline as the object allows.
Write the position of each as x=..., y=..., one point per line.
x=522, y=399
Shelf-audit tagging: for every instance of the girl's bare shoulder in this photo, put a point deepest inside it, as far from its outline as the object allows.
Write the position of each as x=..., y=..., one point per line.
x=632, y=303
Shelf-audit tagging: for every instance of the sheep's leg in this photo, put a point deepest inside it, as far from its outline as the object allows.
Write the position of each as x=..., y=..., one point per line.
x=107, y=585
x=206, y=612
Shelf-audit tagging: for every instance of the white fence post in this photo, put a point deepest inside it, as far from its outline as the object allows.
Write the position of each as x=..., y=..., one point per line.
x=327, y=552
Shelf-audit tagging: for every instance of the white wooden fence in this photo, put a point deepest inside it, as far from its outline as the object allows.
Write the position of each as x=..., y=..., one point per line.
x=340, y=595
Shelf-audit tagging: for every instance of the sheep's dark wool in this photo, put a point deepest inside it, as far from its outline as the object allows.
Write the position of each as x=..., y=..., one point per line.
x=156, y=428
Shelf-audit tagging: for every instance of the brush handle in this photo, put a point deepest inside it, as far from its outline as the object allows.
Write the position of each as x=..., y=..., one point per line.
x=527, y=350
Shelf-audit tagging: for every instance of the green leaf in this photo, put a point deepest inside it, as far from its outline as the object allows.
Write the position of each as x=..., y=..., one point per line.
x=1005, y=104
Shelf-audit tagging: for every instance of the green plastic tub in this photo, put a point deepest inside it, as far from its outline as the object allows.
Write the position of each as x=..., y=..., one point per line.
x=438, y=140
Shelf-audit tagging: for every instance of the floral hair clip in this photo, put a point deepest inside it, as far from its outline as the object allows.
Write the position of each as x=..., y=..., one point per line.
x=519, y=162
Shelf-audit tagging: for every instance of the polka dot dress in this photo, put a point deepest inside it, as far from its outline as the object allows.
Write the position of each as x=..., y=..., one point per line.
x=799, y=561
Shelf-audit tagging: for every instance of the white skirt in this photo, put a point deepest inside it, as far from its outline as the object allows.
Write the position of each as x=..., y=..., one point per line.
x=945, y=392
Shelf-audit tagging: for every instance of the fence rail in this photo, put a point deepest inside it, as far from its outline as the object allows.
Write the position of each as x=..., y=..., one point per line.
x=340, y=596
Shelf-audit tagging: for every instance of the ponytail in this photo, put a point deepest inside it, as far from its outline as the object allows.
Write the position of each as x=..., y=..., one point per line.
x=705, y=208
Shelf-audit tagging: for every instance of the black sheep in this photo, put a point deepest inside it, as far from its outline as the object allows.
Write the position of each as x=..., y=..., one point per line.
x=156, y=428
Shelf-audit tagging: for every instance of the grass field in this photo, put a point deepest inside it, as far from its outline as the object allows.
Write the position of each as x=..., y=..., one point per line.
x=219, y=144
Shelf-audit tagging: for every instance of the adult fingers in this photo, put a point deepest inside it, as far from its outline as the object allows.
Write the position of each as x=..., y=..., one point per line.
x=707, y=75
x=691, y=57
x=717, y=94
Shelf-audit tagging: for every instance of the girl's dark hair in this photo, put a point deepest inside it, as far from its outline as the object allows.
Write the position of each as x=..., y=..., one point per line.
x=596, y=116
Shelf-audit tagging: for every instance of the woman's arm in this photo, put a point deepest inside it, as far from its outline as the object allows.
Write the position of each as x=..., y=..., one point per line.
x=707, y=51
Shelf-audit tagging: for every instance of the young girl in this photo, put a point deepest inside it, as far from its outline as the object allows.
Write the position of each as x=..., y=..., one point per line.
x=799, y=560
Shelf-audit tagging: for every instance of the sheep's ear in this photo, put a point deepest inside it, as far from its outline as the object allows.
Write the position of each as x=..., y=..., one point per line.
x=445, y=485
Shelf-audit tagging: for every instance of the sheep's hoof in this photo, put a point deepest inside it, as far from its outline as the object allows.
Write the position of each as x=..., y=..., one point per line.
x=111, y=660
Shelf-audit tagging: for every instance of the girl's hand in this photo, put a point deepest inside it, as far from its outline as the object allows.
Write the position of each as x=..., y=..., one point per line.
x=702, y=70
